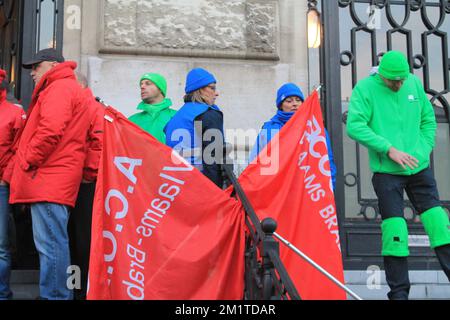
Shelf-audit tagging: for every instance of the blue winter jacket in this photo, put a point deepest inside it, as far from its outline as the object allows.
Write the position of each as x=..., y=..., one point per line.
x=189, y=143
x=272, y=127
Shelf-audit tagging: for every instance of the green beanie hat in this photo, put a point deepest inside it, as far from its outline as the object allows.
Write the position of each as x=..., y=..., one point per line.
x=158, y=80
x=394, y=66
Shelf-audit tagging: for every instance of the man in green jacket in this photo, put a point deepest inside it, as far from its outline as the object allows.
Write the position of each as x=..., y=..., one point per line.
x=390, y=114
x=155, y=106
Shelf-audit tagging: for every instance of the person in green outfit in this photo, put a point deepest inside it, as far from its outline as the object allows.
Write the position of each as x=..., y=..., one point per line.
x=155, y=107
x=390, y=114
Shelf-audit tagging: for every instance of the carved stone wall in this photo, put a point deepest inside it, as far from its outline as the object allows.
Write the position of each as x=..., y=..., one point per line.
x=205, y=28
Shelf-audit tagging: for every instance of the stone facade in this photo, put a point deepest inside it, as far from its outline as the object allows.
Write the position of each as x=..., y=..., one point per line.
x=227, y=28
x=251, y=46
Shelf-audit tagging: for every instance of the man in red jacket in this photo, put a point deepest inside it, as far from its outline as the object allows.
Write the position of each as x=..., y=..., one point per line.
x=48, y=165
x=12, y=119
x=81, y=216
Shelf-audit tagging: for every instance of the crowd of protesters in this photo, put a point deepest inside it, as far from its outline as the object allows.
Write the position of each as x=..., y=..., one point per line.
x=49, y=158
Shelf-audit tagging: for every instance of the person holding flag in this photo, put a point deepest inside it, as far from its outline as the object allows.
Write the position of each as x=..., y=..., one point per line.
x=290, y=182
x=289, y=99
x=390, y=114
x=199, y=118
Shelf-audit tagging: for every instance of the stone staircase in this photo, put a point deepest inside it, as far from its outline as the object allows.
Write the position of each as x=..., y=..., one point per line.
x=425, y=285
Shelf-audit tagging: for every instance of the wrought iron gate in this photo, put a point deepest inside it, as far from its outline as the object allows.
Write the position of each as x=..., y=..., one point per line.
x=356, y=34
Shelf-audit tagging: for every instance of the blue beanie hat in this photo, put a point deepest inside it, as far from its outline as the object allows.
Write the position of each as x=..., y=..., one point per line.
x=288, y=90
x=198, y=78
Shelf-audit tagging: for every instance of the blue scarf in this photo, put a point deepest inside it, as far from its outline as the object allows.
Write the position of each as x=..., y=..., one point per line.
x=271, y=127
x=281, y=117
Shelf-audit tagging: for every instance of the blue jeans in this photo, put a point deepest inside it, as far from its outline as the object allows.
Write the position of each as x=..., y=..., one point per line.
x=52, y=242
x=5, y=255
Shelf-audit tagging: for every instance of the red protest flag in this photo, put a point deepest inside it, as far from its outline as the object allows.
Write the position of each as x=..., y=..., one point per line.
x=160, y=229
x=290, y=181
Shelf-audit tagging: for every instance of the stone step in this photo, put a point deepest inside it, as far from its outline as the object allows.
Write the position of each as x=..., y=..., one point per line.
x=24, y=277
x=25, y=284
x=25, y=291
x=361, y=277
x=425, y=285
x=417, y=292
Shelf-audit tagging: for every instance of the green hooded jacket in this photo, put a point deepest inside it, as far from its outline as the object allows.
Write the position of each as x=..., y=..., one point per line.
x=154, y=118
x=380, y=118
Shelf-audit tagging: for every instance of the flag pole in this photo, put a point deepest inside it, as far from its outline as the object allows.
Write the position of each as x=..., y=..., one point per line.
x=318, y=267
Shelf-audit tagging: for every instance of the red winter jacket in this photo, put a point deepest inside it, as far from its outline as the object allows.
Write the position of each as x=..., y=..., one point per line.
x=95, y=137
x=12, y=120
x=51, y=152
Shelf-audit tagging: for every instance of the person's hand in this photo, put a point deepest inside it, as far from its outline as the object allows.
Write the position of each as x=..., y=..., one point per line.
x=403, y=159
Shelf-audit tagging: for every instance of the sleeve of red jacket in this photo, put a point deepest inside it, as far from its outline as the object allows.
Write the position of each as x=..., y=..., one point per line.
x=55, y=113
x=19, y=123
x=94, y=146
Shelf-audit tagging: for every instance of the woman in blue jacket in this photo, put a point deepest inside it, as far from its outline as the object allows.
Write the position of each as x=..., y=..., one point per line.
x=289, y=100
x=196, y=130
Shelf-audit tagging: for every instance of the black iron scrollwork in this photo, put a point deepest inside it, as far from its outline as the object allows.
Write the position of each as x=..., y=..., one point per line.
x=418, y=61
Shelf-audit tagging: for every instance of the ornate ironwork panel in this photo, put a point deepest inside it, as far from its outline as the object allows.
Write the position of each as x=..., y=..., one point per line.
x=359, y=32
x=418, y=28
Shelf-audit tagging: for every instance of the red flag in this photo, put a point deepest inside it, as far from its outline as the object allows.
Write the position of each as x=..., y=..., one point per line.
x=161, y=230
x=290, y=181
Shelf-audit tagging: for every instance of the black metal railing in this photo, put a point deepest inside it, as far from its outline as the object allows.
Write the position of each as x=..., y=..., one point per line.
x=266, y=277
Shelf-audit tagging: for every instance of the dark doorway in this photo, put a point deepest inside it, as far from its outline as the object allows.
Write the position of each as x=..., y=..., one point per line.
x=26, y=26
x=10, y=41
